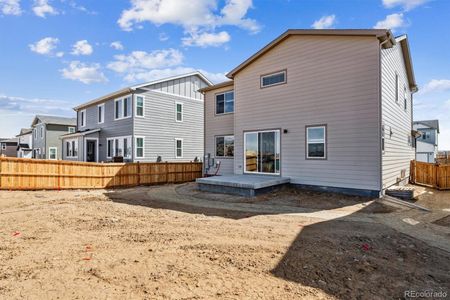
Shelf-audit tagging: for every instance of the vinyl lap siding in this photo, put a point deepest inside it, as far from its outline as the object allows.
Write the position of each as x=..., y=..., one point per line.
x=330, y=80
x=398, y=153
x=160, y=129
x=215, y=126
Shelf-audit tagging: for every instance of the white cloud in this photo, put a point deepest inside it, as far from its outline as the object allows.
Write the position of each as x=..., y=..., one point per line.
x=325, y=22
x=41, y=8
x=406, y=4
x=436, y=85
x=45, y=46
x=117, y=45
x=163, y=37
x=82, y=48
x=10, y=7
x=206, y=39
x=86, y=73
x=197, y=17
x=392, y=22
x=141, y=61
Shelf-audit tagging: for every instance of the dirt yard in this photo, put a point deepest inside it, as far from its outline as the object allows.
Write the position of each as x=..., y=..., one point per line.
x=173, y=242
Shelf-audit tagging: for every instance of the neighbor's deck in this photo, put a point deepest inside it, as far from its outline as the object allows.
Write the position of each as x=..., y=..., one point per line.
x=244, y=185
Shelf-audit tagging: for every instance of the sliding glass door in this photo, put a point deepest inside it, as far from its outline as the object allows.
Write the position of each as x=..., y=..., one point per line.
x=262, y=152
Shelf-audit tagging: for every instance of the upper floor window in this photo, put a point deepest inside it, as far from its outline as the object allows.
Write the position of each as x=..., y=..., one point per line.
x=35, y=133
x=426, y=135
x=41, y=131
x=405, y=98
x=101, y=113
x=122, y=108
x=71, y=129
x=316, y=142
x=179, y=112
x=225, y=103
x=273, y=79
x=397, y=90
x=139, y=106
x=83, y=118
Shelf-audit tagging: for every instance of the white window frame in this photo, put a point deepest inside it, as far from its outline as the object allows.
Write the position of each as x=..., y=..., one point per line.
x=50, y=153
x=176, y=147
x=397, y=87
x=114, y=146
x=224, y=103
x=176, y=112
x=136, y=147
x=41, y=131
x=102, y=115
x=83, y=118
x=273, y=74
x=136, y=106
x=35, y=133
x=405, y=99
x=71, y=152
x=69, y=129
x=121, y=117
x=85, y=148
x=215, y=146
x=325, y=154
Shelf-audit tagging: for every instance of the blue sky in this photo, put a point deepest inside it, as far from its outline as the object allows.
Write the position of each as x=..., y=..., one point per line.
x=55, y=54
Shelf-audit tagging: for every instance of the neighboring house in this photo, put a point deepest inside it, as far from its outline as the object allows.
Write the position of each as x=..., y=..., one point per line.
x=25, y=143
x=161, y=119
x=427, y=143
x=8, y=147
x=47, y=131
x=329, y=109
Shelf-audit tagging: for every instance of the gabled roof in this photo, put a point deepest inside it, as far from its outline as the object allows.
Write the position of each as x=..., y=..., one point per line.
x=130, y=89
x=80, y=133
x=25, y=131
x=384, y=36
x=403, y=40
x=217, y=86
x=55, y=120
x=433, y=124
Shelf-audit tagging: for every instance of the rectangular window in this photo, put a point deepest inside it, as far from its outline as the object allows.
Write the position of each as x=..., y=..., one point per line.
x=225, y=146
x=396, y=87
x=383, y=132
x=179, y=148
x=122, y=108
x=52, y=153
x=110, y=148
x=83, y=118
x=75, y=148
x=262, y=152
x=179, y=112
x=72, y=148
x=41, y=130
x=139, y=147
x=119, y=146
x=71, y=129
x=139, y=106
x=273, y=79
x=405, y=99
x=225, y=103
x=101, y=113
x=316, y=142
x=35, y=133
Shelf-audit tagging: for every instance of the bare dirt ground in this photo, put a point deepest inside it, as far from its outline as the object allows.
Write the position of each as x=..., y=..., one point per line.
x=173, y=242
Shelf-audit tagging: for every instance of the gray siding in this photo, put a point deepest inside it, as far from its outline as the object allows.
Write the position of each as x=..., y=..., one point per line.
x=38, y=141
x=216, y=125
x=330, y=80
x=53, y=138
x=398, y=153
x=160, y=129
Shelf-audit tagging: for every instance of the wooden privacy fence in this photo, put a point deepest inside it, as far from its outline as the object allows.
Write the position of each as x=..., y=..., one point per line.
x=32, y=174
x=433, y=175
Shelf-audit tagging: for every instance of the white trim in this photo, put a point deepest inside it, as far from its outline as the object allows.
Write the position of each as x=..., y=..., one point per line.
x=114, y=144
x=74, y=129
x=143, y=146
x=277, y=149
x=176, y=95
x=102, y=105
x=182, y=147
x=85, y=148
x=56, y=153
x=173, y=78
x=41, y=131
x=324, y=142
x=273, y=74
x=123, y=107
x=71, y=149
x=176, y=111
x=83, y=118
x=136, y=107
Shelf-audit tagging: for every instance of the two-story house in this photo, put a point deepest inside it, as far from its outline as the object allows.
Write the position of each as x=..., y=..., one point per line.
x=25, y=143
x=47, y=131
x=427, y=143
x=326, y=109
x=8, y=147
x=160, y=120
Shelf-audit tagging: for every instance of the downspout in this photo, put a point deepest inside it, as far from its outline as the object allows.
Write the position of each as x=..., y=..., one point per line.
x=380, y=111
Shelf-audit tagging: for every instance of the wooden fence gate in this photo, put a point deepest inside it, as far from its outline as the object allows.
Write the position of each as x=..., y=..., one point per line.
x=34, y=174
x=432, y=175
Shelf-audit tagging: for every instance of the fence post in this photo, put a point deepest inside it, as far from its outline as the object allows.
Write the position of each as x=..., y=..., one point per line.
x=138, y=174
x=167, y=172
